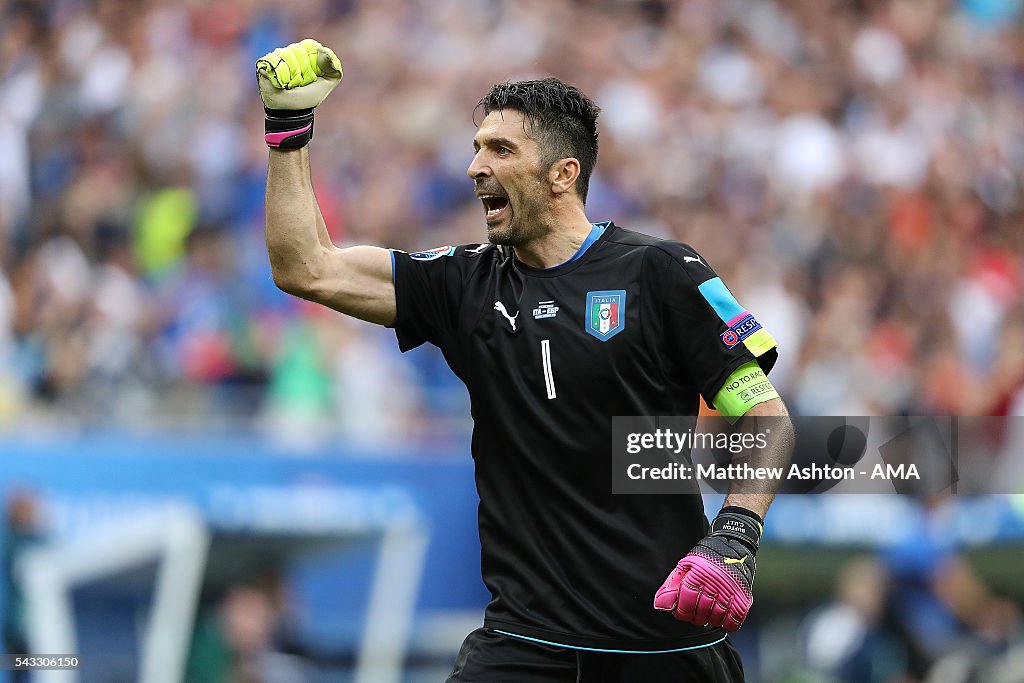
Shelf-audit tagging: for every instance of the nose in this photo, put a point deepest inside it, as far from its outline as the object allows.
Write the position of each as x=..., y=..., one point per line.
x=477, y=169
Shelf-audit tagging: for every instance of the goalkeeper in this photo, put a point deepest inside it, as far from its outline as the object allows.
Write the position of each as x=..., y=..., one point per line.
x=555, y=323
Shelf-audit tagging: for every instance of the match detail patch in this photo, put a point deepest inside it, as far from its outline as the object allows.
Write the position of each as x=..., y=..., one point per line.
x=431, y=254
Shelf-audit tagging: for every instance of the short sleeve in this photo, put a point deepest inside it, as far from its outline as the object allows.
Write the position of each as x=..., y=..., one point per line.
x=705, y=332
x=428, y=287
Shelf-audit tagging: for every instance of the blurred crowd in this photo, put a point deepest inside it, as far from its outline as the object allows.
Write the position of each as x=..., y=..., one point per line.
x=852, y=168
x=915, y=610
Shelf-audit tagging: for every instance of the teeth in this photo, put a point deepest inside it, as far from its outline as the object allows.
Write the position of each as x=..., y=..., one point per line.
x=486, y=199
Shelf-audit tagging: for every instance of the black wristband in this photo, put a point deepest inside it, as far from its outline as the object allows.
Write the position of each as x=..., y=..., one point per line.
x=288, y=128
x=739, y=523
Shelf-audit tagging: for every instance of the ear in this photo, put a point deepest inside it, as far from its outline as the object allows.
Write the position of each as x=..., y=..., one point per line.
x=563, y=175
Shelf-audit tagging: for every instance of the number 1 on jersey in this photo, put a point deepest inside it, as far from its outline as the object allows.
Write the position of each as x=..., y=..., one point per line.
x=545, y=356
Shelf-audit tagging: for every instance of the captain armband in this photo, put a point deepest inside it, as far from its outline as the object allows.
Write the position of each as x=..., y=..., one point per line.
x=745, y=388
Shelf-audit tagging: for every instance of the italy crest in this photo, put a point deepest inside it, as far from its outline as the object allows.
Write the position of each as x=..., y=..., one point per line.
x=606, y=313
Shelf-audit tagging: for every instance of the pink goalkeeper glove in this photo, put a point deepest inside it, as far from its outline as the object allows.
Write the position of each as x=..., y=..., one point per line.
x=712, y=585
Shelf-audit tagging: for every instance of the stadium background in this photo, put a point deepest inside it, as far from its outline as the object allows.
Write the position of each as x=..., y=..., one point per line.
x=853, y=170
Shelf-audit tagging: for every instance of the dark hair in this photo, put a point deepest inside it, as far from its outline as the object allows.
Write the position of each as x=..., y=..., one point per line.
x=561, y=118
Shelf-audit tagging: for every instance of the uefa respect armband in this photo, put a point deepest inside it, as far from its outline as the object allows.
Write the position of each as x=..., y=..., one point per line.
x=745, y=388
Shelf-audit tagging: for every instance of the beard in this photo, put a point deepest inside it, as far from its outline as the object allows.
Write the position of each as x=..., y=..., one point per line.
x=525, y=224
x=516, y=233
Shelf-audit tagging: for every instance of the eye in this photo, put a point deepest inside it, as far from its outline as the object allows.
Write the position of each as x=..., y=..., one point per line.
x=504, y=151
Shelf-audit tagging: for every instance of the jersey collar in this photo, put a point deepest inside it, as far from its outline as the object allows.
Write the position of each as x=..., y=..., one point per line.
x=598, y=232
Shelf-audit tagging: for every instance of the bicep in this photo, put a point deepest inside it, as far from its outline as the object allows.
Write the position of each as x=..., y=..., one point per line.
x=773, y=407
x=356, y=281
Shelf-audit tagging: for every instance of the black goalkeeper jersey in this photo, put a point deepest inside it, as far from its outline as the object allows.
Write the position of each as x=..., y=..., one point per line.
x=635, y=326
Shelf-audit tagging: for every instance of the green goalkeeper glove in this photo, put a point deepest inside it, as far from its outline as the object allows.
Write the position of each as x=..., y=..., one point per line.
x=293, y=81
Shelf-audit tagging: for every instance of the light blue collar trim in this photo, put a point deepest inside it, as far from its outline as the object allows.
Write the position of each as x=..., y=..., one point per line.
x=618, y=652
x=596, y=231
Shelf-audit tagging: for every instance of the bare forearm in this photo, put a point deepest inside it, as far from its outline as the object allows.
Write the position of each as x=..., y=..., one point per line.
x=294, y=243
x=321, y=229
x=321, y=226
x=757, y=494
x=356, y=281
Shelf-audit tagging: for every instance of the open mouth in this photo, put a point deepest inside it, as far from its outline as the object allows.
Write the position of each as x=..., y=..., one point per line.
x=494, y=205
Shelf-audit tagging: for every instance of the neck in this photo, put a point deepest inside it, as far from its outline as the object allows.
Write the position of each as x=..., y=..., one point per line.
x=558, y=243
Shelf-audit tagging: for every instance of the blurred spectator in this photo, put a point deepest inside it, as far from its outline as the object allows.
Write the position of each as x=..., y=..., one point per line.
x=21, y=531
x=847, y=640
x=9, y=386
x=935, y=600
x=856, y=168
x=236, y=642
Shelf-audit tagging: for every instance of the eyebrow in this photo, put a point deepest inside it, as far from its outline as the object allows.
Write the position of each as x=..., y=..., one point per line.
x=496, y=142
